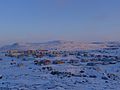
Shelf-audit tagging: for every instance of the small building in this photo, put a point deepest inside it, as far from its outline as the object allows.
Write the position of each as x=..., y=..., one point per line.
x=73, y=61
x=46, y=62
x=58, y=62
x=42, y=62
x=91, y=64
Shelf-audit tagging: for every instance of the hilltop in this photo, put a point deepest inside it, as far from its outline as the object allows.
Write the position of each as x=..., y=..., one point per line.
x=56, y=45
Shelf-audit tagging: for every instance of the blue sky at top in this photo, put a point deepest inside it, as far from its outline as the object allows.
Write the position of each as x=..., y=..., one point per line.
x=42, y=20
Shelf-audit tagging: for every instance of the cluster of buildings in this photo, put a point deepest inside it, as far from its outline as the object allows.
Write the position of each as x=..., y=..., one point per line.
x=42, y=53
x=81, y=56
x=34, y=53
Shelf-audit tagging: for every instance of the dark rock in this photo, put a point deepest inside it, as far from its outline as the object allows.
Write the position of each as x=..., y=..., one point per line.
x=1, y=76
x=93, y=76
x=104, y=78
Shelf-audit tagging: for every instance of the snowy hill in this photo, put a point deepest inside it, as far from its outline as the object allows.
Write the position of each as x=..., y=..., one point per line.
x=97, y=69
x=59, y=45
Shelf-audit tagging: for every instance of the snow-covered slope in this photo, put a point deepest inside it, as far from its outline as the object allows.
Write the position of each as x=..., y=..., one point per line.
x=97, y=69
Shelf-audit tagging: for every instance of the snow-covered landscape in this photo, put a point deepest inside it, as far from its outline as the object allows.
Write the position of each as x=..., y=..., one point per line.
x=60, y=65
x=59, y=45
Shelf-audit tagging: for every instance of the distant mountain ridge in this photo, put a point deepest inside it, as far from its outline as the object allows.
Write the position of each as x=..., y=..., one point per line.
x=58, y=44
